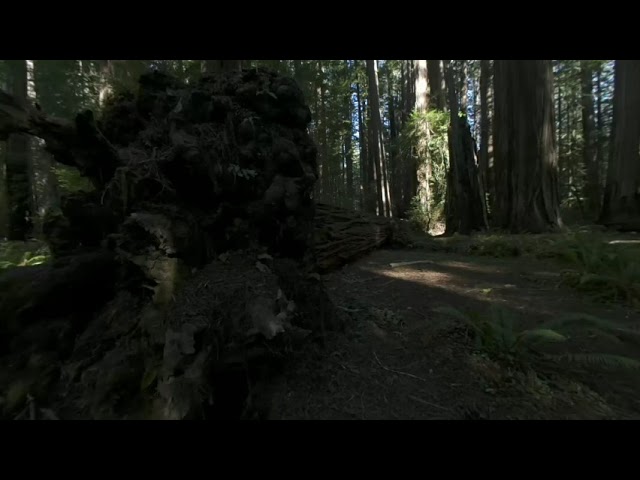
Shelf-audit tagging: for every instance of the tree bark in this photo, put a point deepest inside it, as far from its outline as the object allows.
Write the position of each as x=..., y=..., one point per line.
x=437, y=93
x=464, y=87
x=348, y=150
x=395, y=167
x=375, y=127
x=465, y=211
x=525, y=155
x=421, y=173
x=600, y=135
x=365, y=179
x=485, y=128
x=560, y=123
x=590, y=153
x=621, y=206
x=323, y=150
x=18, y=176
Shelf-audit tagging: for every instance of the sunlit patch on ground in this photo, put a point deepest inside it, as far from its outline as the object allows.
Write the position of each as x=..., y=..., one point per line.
x=400, y=358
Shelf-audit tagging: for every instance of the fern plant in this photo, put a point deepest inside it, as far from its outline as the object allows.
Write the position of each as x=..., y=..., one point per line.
x=606, y=272
x=495, y=335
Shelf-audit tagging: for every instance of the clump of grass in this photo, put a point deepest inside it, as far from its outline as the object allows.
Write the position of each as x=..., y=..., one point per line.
x=495, y=336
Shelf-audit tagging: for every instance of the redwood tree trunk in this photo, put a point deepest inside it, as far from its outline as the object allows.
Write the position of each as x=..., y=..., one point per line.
x=621, y=206
x=592, y=185
x=422, y=172
x=485, y=127
x=465, y=211
x=348, y=150
x=436, y=90
x=375, y=126
x=365, y=178
x=525, y=154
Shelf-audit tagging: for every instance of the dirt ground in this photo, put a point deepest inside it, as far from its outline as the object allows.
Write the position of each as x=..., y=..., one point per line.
x=400, y=359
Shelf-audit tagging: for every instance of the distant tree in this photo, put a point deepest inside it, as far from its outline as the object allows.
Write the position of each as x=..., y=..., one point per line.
x=375, y=139
x=589, y=139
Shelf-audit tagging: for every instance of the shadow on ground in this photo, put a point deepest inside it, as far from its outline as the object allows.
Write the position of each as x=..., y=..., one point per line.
x=399, y=359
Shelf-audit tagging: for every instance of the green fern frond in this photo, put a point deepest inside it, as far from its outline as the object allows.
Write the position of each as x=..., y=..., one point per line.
x=599, y=324
x=542, y=335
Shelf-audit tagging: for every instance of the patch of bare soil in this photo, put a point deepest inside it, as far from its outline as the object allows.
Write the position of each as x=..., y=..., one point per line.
x=399, y=359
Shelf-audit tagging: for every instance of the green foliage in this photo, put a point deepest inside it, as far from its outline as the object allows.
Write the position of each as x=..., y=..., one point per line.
x=70, y=180
x=495, y=336
x=424, y=140
x=608, y=272
x=23, y=254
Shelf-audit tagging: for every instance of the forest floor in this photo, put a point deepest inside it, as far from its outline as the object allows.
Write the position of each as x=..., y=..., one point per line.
x=402, y=358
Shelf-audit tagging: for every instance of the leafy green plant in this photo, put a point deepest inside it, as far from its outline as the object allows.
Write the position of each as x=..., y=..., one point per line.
x=605, y=271
x=22, y=254
x=424, y=141
x=495, y=335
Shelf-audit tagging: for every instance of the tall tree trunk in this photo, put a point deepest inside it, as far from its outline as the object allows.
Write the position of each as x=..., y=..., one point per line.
x=621, y=204
x=600, y=135
x=384, y=166
x=436, y=90
x=464, y=86
x=421, y=173
x=525, y=154
x=365, y=179
x=589, y=153
x=396, y=171
x=465, y=211
x=375, y=126
x=485, y=128
x=560, y=125
x=348, y=149
x=324, y=149
x=17, y=161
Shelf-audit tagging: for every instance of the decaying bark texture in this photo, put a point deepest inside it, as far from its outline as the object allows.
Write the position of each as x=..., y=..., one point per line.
x=196, y=249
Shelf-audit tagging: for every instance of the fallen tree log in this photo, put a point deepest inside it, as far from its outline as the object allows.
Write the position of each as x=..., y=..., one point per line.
x=343, y=235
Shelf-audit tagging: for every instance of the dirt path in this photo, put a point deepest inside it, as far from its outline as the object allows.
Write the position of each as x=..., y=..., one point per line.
x=400, y=359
